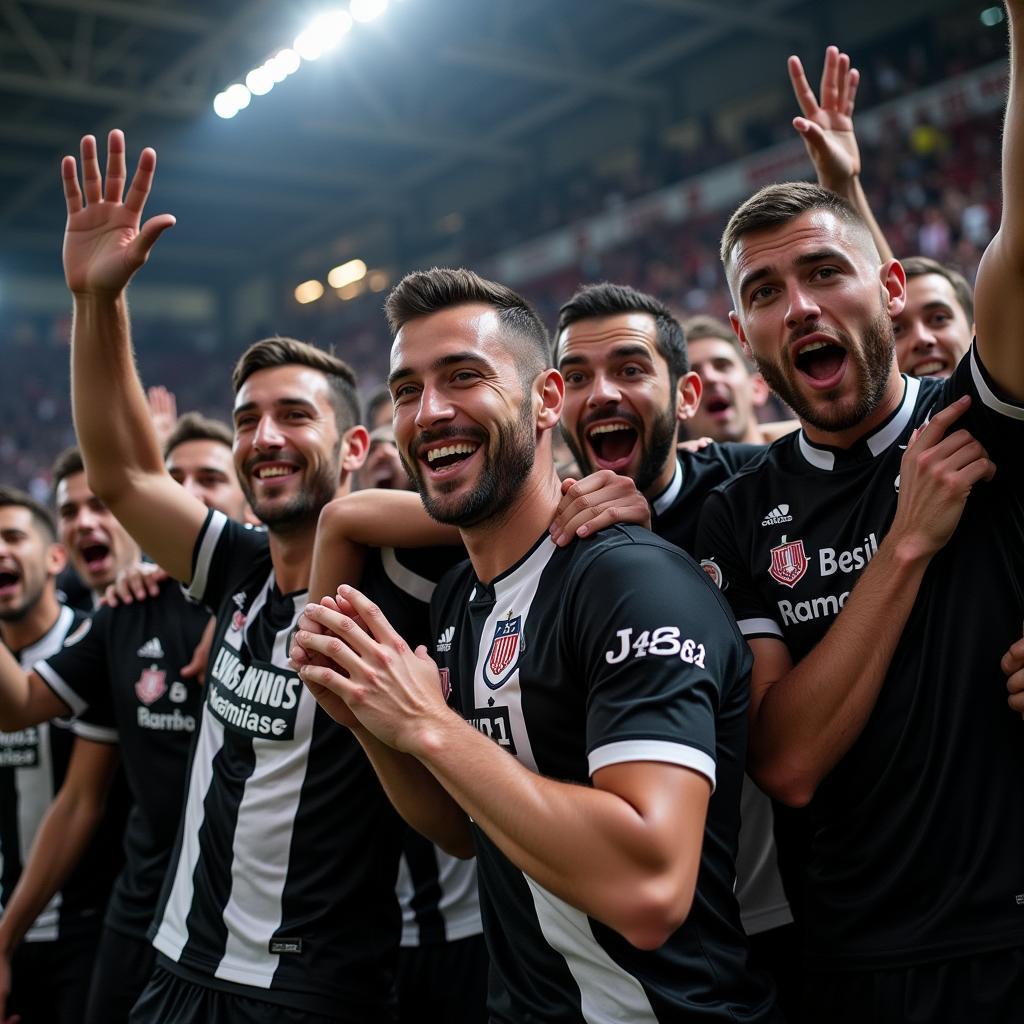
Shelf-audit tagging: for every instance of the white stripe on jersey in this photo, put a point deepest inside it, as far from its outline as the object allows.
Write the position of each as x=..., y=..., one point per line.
x=992, y=400
x=515, y=594
x=459, y=905
x=172, y=935
x=404, y=578
x=753, y=627
x=96, y=733
x=625, y=751
x=263, y=839
x=608, y=994
x=59, y=687
x=214, y=528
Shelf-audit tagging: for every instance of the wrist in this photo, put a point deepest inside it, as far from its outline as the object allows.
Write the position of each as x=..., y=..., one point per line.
x=432, y=735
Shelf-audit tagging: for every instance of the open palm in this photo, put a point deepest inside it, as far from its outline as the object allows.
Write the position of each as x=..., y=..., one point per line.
x=103, y=242
x=827, y=123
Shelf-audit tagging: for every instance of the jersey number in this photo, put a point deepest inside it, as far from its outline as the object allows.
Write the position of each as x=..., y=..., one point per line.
x=663, y=642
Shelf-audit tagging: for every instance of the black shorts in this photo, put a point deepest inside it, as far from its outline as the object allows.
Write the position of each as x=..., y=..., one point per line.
x=987, y=988
x=446, y=981
x=124, y=965
x=50, y=980
x=168, y=999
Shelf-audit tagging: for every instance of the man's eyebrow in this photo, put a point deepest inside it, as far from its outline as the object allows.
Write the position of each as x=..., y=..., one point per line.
x=286, y=402
x=439, y=364
x=753, y=277
x=801, y=261
x=627, y=350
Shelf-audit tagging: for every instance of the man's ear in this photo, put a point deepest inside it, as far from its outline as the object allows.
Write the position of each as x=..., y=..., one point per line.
x=894, y=286
x=737, y=329
x=759, y=390
x=56, y=559
x=689, y=388
x=355, y=446
x=548, y=395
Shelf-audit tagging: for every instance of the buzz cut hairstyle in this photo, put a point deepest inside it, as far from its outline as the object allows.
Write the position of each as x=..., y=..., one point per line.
x=270, y=353
x=606, y=299
x=11, y=497
x=194, y=426
x=776, y=205
x=919, y=266
x=430, y=291
x=68, y=463
x=702, y=327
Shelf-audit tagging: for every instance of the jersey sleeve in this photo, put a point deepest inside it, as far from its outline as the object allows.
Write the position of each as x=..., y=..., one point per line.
x=993, y=419
x=722, y=558
x=658, y=652
x=79, y=673
x=224, y=552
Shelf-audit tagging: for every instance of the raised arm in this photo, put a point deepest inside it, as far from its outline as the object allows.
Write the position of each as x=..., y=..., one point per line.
x=104, y=245
x=805, y=717
x=24, y=698
x=999, y=290
x=827, y=130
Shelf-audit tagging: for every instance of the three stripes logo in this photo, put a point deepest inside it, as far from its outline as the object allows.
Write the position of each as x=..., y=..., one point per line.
x=777, y=516
x=444, y=641
x=151, y=649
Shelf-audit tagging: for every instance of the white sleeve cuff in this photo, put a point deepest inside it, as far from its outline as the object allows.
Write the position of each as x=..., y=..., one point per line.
x=59, y=687
x=664, y=751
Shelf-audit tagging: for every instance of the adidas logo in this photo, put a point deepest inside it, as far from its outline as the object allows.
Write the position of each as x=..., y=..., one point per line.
x=777, y=516
x=444, y=641
x=151, y=649
x=240, y=599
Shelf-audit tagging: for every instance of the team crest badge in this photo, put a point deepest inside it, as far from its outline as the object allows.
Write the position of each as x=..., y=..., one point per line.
x=506, y=647
x=789, y=563
x=152, y=685
x=446, y=683
x=238, y=620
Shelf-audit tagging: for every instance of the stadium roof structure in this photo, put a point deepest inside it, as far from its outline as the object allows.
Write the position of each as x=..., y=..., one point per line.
x=435, y=107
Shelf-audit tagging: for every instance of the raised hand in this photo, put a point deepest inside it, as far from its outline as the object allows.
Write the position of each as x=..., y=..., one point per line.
x=103, y=242
x=163, y=411
x=827, y=123
x=596, y=502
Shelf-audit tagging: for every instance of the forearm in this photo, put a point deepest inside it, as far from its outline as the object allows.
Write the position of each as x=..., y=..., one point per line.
x=385, y=518
x=418, y=797
x=25, y=699
x=1011, y=230
x=810, y=717
x=111, y=416
x=591, y=848
x=59, y=844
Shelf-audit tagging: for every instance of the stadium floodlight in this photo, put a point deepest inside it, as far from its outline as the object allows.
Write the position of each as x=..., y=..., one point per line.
x=239, y=95
x=223, y=106
x=286, y=62
x=346, y=274
x=367, y=10
x=308, y=291
x=260, y=80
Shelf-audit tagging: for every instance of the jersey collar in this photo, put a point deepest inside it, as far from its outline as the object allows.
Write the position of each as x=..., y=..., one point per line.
x=46, y=645
x=663, y=502
x=871, y=445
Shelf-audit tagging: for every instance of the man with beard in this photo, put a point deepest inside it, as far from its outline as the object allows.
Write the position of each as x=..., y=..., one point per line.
x=628, y=387
x=878, y=609
x=606, y=668
x=280, y=893
x=128, y=669
x=53, y=778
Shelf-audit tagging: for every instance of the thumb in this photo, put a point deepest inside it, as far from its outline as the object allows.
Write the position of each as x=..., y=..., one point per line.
x=423, y=654
x=150, y=232
x=811, y=133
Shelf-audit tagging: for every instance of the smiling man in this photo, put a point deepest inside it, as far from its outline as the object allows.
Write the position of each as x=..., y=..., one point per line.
x=877, y=696
x=280, y=892
x=595, y=758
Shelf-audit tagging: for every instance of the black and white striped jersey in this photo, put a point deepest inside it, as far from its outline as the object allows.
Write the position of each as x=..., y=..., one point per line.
x=283, y=877
x=610, y=650
x=33, y=763
x=917, y=831
x=437, y=892
x=127, y=665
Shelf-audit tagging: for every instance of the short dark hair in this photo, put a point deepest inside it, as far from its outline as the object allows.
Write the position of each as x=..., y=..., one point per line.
x=702, y=327
x=775, y=205
x=429, y=291
x=41, y=515
x=606, y=299
x=918, y=266
x=68, y=463
x=277, y=351
x=194, y=426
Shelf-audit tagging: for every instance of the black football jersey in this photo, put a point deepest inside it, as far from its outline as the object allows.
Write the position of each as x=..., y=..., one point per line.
x=917, y=831
x=609, y=650
x=127, y=667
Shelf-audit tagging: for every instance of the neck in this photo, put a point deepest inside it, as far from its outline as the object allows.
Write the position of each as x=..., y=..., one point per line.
x=499, y=543
x=891, y=399
x=753, y=434
x=664, y=478
x=292, y=556
x=34, y=625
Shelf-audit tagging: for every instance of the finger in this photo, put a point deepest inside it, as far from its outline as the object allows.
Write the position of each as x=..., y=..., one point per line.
x=137, y=586
x=153, y=581
x=827, y=95
x=373, y=618
x=567, y=483
x=934, y=430
x=336, y=652
x=69, y=178
x=326, y=678
x=802, y=88
x=963, y=456
x=110, y=596
x=1013, y=660
x=116, y=173
x=142, y=182
x=852, y=81
x=982, y=469
x=339, y=627
x=812, y=134
x=92, y=183
x=150, y=232
x=842, y=73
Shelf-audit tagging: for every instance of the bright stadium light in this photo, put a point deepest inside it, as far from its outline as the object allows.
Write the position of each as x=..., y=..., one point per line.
x=287, y=62
x=346, y=274
x=260, y=80
x=223, y=106
x=308, y=291
x=367, y=10
x=239, y=95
